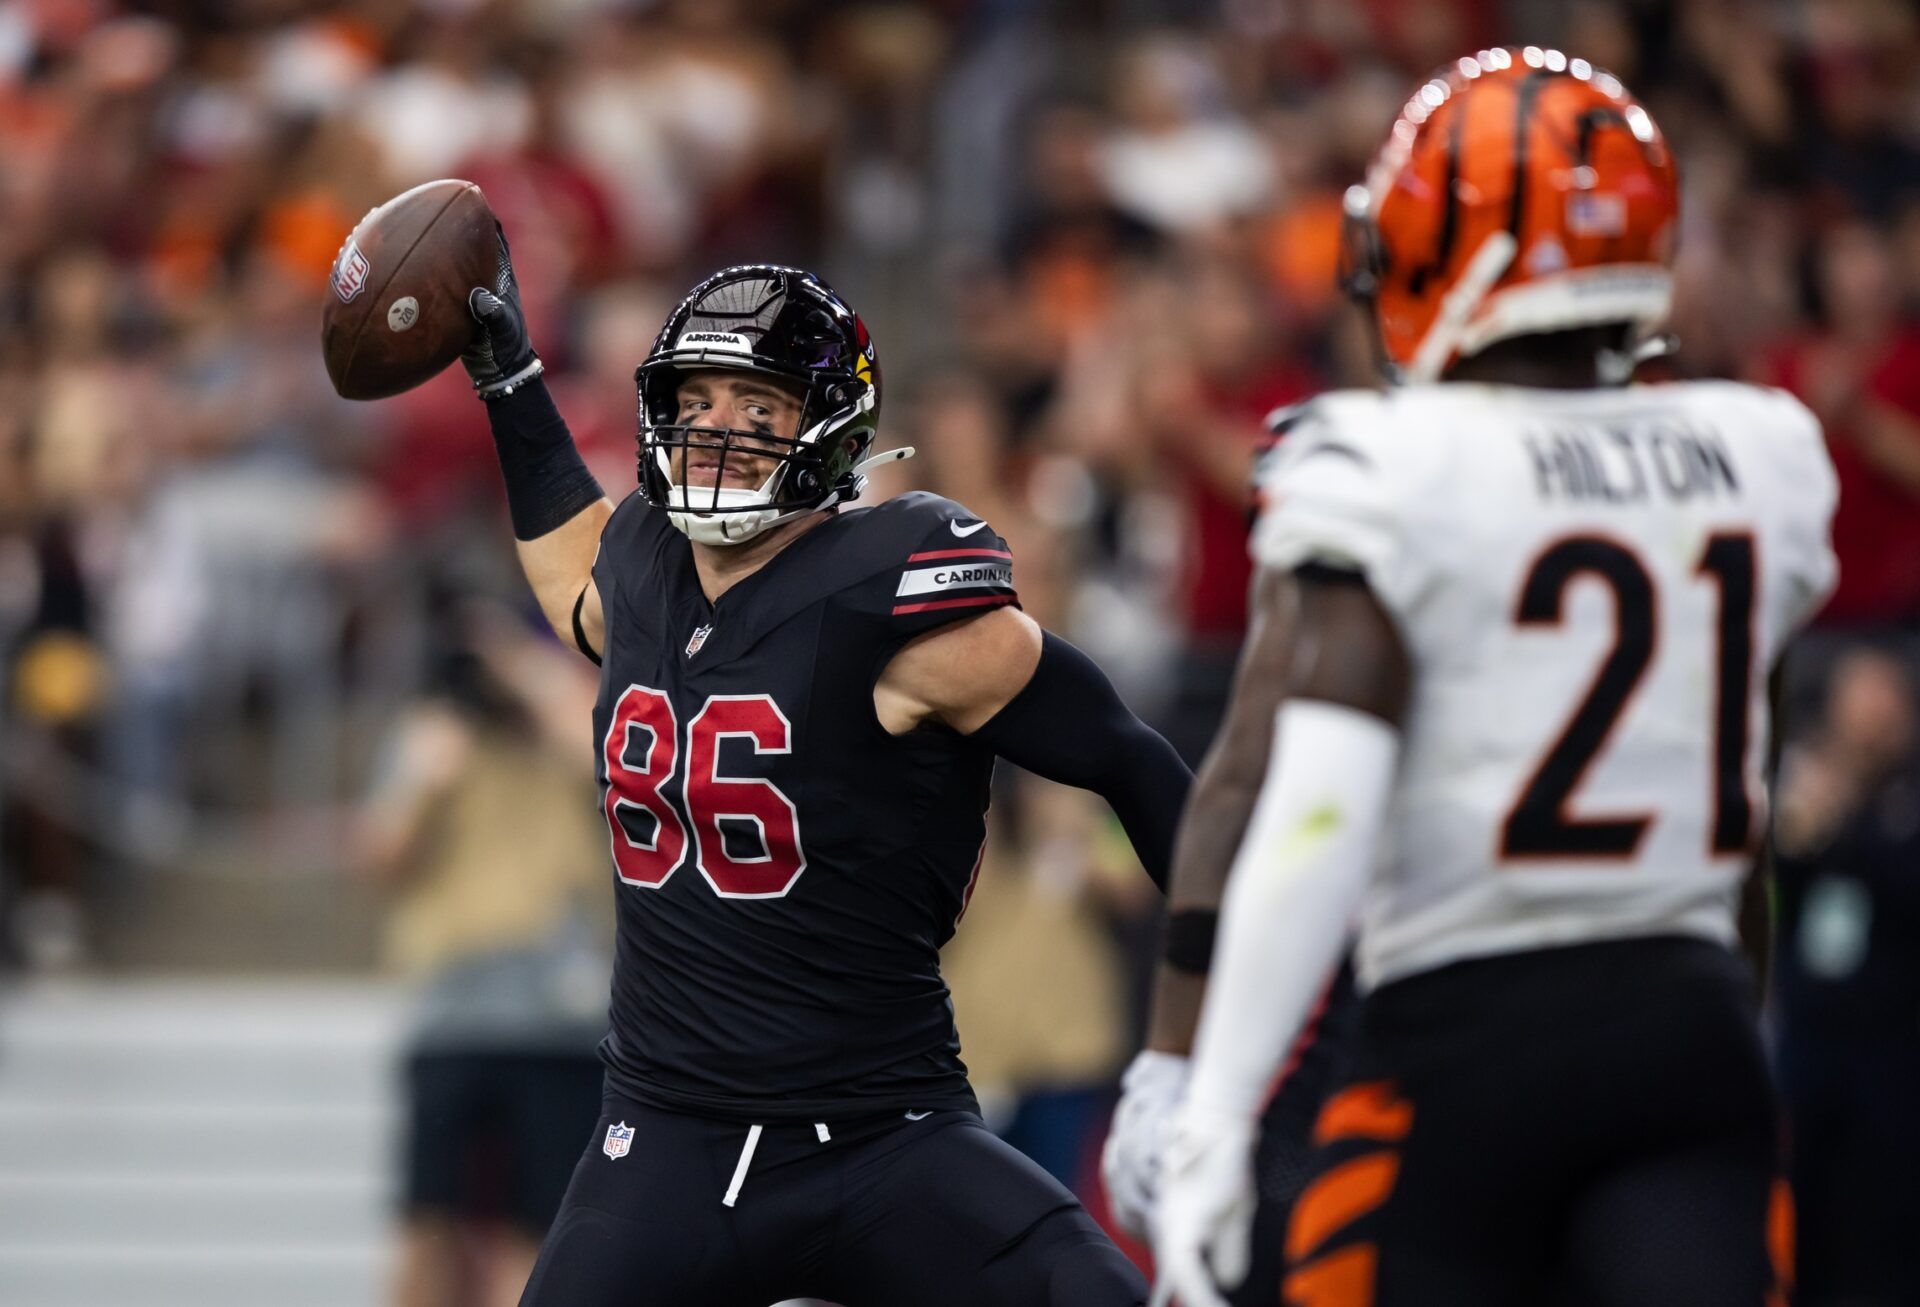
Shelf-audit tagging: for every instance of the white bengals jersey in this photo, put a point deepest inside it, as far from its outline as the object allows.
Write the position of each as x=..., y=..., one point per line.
x=1593, y=587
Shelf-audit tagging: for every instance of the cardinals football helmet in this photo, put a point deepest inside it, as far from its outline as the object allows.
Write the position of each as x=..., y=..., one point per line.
x=1520, y=192
x=783, y=323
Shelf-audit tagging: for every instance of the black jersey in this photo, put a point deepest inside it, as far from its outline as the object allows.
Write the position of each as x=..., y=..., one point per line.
x=786, y=870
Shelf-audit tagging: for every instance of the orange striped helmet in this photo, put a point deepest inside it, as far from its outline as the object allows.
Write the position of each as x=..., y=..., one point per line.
x=1519, y=192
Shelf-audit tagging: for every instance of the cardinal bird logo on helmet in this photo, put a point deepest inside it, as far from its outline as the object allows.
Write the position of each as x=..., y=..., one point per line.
x=1520, y=191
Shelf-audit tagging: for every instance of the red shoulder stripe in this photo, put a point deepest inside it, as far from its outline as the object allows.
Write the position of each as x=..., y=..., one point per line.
x=959, y=553
x=981, y=601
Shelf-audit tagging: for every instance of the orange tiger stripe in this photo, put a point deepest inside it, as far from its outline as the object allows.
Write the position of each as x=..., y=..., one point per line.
x=1340, y=1279
x=1780, y=1243
x=1339, y=1197
x=1365, y=1111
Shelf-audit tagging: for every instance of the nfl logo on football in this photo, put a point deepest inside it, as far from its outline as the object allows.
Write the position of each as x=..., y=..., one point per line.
x=350, y=273
x=619, y=1140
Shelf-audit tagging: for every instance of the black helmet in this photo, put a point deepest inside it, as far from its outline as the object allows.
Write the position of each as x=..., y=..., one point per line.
x=783, y=323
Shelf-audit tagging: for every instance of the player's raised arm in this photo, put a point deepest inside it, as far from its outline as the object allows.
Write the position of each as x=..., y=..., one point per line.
x=557, y=507
x=1043, y=705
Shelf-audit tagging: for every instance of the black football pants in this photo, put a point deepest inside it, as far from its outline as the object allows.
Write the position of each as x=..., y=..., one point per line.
x=1589, y=1126
x=887, y=1212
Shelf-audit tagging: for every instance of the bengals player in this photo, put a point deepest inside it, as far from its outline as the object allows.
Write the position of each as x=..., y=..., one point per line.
x=1521, y=615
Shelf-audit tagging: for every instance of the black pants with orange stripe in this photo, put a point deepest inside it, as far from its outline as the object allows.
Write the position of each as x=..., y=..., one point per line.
x=1588, y=1126
x=1285, y=1158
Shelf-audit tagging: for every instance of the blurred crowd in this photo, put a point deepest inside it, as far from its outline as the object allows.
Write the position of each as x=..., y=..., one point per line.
x=1096, y=241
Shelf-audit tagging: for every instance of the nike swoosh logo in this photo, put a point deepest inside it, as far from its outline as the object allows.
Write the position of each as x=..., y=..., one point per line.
x=919, y=1116
x=965, y=531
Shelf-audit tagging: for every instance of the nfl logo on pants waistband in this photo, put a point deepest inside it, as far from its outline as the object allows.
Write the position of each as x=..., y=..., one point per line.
x=619, y=1140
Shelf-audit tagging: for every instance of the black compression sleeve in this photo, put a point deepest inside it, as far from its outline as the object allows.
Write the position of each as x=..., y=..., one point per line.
x=1069, y=725
x=547, y=484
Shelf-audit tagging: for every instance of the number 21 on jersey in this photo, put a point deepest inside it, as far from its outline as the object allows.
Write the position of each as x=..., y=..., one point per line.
x=638, y=778
x=1539, y=823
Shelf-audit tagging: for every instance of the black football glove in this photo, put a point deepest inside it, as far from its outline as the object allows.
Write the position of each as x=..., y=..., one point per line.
x=501, y=357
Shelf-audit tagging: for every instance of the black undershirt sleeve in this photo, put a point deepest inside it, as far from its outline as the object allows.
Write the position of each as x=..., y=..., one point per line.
x=1069, y=725
x=547, y=482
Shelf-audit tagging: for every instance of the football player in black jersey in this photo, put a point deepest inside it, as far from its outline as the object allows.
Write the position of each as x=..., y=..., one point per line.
x=799, y=710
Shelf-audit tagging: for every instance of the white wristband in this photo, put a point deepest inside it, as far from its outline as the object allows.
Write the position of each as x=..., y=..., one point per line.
x=507, y=385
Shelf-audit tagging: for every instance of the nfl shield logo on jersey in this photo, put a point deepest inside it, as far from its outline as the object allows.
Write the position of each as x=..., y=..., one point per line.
x=619, y=1140
x=699, y=638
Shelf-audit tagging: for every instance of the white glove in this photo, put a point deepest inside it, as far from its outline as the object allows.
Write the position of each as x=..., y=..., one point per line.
x=1205, y=1213
x=1150, y=1092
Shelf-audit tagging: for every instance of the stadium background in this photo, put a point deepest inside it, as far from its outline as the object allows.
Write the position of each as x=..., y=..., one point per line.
x=244, y=624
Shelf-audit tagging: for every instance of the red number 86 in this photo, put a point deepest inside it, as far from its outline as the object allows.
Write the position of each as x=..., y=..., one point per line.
x=639, y=780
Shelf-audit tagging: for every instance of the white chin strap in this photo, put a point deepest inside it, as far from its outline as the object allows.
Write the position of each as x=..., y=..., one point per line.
x=738, y=514
x=728, y=522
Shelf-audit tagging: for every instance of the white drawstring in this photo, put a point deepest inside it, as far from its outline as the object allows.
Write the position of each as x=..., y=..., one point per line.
x=740, y=1167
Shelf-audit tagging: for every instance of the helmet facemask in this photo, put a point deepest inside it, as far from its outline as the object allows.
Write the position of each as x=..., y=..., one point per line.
x=1362, y=263
x=812, y=470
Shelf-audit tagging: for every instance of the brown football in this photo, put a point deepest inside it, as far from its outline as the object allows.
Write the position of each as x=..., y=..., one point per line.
x=396, y=309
